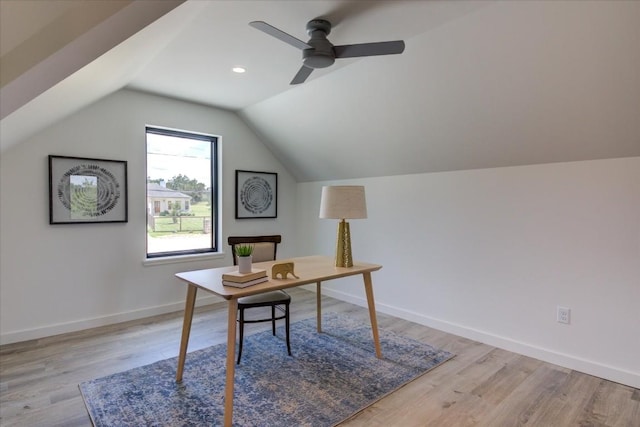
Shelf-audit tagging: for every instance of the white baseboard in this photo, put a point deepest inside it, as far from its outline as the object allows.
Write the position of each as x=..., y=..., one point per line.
x=62, y=328
x=565, y=360
x=576, y=363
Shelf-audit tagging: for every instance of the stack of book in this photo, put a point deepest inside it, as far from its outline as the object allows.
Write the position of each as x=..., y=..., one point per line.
x=242, y=280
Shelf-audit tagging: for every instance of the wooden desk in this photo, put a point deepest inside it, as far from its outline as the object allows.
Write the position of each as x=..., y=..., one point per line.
x=313, y=269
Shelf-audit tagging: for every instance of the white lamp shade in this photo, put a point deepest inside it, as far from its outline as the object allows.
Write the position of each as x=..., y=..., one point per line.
x=343, y=202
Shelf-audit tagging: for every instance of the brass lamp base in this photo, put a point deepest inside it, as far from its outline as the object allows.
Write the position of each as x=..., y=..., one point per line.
x=343, y=245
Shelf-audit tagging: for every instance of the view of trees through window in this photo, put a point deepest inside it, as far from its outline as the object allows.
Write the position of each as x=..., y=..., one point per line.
x=181, y=192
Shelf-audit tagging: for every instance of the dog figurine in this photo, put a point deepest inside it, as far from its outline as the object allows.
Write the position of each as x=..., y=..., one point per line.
x=282, y=269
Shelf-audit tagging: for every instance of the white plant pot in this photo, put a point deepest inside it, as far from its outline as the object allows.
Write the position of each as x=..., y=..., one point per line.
x=244, y=264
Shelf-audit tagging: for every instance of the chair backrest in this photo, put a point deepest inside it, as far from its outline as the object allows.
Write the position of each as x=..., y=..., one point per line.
x=264, y=247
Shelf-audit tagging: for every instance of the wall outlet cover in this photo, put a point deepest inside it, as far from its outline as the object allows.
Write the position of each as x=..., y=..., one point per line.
x=564, y=315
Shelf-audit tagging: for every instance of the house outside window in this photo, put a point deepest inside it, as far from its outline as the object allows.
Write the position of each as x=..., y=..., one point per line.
x=182, y=190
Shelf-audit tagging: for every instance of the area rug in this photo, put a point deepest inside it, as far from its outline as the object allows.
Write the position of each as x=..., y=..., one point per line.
x=330, y=377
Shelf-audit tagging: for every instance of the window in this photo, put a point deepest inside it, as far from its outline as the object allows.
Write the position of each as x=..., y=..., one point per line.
x=182, y=191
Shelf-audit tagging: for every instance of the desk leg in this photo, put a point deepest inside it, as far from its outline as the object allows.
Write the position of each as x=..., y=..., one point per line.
x=231, y=365
x=319, y=307
x=186, y=329
x=368, y=287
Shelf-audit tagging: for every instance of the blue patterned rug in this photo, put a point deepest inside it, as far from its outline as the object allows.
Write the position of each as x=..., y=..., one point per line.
x=330, y=377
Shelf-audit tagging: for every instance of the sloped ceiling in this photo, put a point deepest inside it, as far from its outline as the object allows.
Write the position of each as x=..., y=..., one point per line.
x=480, y=84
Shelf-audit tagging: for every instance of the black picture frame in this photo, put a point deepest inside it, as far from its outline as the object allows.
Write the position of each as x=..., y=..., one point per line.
x=256, y=194
x=87, y=191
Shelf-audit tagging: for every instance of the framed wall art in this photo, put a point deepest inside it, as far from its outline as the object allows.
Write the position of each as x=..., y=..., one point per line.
x=83, y=190
x=256, y=194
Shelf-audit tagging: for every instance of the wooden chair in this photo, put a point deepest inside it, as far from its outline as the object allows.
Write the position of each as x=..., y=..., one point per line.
x=264, y=249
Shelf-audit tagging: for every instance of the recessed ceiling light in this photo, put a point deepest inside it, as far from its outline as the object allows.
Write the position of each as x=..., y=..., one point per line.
x=239, y=70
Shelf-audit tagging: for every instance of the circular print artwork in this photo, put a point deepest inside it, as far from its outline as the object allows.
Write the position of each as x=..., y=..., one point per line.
x=88, y=191
x=256, y=195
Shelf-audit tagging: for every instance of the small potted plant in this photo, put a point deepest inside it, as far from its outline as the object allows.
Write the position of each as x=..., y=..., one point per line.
x=243, y=252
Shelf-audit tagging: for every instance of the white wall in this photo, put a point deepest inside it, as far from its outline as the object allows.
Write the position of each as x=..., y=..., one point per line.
x=489, y=254
x=486, y=254
x=60, y=278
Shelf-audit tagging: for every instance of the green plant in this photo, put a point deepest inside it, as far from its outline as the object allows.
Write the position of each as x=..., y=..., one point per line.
x=244, y=250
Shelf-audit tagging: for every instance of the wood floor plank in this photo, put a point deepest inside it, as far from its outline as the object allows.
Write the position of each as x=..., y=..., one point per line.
x=482, y=386
x=611, y=405
x=529, y=398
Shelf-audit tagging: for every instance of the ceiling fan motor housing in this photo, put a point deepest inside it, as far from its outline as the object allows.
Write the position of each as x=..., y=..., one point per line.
x=321, y=54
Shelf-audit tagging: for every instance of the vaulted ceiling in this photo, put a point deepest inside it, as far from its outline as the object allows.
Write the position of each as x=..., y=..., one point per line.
x=480, y=84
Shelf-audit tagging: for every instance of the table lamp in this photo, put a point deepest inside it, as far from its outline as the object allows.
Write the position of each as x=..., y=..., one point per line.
x=343, y=202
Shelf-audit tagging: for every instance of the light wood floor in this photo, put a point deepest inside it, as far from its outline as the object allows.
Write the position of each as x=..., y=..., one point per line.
x=481, y=386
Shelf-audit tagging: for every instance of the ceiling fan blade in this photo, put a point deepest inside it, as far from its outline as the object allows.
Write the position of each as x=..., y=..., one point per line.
x=279, y=34
x=369, y=49
x=302, y=75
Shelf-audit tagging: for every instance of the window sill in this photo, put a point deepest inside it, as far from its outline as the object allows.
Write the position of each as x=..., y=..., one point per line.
x=176, y=259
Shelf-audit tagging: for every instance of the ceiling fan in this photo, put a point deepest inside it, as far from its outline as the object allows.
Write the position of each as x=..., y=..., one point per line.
x=318, y=52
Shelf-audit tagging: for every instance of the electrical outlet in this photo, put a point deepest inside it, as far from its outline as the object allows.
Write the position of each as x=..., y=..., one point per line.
x=564, y=315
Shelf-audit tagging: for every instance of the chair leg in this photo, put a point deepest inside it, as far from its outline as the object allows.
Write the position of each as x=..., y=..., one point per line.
x=241, y=329
x=273, y=320
x=286, y=321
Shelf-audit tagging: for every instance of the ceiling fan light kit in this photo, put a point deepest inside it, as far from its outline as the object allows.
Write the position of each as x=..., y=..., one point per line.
x=319, y=52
